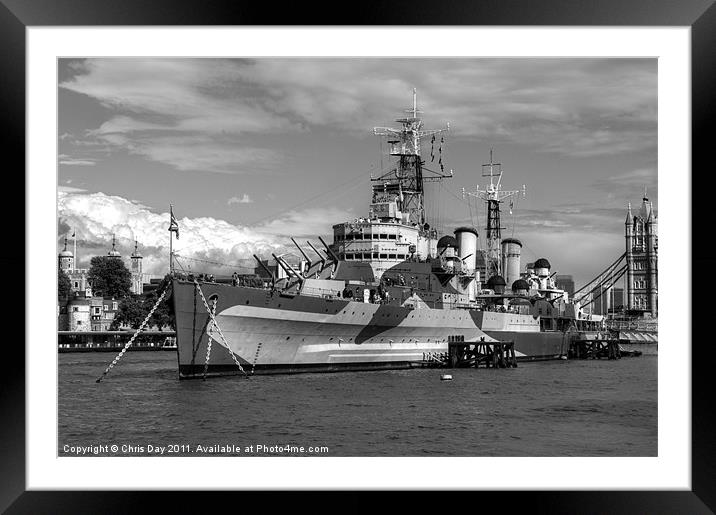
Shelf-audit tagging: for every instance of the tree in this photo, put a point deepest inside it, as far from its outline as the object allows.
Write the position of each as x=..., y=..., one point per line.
x=131, y=312
x=64, y=285
x=134, y=308
x=164, y=314
x=109, y=277
x=161, y=317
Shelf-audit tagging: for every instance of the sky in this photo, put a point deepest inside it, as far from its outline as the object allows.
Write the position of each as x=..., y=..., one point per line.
x=251, y=152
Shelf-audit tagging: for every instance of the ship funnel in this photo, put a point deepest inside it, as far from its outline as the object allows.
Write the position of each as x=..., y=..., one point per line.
x=511, y=250
x=467, y=244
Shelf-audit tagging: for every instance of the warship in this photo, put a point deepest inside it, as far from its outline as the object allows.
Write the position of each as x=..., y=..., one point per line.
x=388, y=292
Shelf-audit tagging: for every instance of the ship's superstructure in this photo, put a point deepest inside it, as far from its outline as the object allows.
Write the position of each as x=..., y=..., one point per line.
x=388, y=292
x=396, y=228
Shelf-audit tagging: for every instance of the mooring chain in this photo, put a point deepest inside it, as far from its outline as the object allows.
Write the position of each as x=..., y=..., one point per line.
x=209, y=338
x=131, y=340
x=256, y=358
x=218, y=329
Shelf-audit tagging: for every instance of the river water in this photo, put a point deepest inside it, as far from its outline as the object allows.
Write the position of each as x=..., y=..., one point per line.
x=558, y=408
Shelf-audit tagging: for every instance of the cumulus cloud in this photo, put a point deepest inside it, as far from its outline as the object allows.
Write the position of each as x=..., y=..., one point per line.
x=205, y=244
x=69, y=189
x=564, y=234
x=244, y=199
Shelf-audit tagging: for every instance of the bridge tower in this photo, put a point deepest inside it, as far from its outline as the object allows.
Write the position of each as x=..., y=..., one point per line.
x=642, y=243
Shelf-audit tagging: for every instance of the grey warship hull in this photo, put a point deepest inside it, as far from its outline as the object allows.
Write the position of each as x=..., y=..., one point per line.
x=389, y=292
x=271, y=332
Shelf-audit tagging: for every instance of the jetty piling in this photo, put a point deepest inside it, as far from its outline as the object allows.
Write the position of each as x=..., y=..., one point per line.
x=491, y=354
x=595, y=349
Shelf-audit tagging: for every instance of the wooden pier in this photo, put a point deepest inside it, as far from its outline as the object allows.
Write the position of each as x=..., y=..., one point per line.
x=491, y=354
x=595, y=349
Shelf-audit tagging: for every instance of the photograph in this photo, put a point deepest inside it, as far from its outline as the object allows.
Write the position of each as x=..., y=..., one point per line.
x=357, y=256
x=415, y=249
x=418, y=253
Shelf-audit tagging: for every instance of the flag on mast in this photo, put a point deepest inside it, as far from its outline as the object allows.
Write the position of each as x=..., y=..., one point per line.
x=173, y=225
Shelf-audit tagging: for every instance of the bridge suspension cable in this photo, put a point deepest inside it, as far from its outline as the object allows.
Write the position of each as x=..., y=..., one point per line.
x=609, y=269
x=603, y=286
x=604, y=281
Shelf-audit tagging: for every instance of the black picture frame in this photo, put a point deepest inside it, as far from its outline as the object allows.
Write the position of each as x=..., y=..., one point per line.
x=700, y=15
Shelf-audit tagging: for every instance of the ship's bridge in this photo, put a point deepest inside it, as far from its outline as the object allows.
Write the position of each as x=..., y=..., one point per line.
x=382, y=243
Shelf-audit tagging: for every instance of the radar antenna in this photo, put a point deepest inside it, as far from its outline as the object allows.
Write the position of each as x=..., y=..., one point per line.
x=493, y=195
x=407, y=175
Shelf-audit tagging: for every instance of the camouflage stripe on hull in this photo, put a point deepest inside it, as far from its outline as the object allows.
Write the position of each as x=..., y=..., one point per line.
x=273, y=333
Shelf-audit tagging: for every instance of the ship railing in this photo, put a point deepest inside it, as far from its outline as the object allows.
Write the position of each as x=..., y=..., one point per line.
x=320, y=292
x=632, y=325
x=459, y=305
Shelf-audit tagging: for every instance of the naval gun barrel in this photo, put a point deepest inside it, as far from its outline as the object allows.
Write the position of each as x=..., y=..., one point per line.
x=332, y=254
x=302, y=253
x=261, y=263
x=288, y=268
x=323, y=260
x=268, y=271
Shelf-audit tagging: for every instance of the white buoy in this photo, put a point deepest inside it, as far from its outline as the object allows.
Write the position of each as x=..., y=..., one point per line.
x=446, y=377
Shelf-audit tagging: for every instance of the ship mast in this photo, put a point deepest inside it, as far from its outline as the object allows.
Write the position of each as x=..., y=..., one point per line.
x=408, y=174
x=493, y=196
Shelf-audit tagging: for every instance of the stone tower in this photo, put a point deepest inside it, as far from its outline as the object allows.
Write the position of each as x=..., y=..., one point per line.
x=66, y=260
x=114, y=253
x=136, y=269
x=642, y=242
